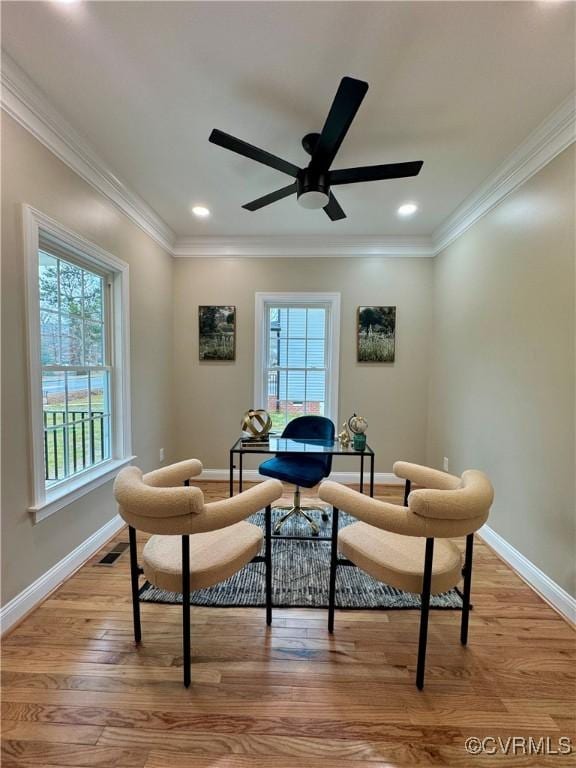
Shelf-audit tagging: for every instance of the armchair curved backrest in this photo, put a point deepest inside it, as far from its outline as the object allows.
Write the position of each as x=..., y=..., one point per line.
x=457, y=506
x=312, y=428
x=159, y=502
x=471, y=498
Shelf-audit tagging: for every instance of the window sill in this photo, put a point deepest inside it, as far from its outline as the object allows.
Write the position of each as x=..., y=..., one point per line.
x=57, y=498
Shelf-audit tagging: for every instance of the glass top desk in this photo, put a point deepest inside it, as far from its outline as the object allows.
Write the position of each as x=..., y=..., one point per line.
x=288, y=446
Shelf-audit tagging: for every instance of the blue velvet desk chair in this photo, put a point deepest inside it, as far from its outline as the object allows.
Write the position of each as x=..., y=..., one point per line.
x=304, y=469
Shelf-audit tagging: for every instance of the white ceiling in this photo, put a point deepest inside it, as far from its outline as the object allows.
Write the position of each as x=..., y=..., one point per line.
x=456, y=84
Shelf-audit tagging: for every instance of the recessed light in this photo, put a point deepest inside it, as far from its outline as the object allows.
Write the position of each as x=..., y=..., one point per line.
x=201, y=211
x=407, y=209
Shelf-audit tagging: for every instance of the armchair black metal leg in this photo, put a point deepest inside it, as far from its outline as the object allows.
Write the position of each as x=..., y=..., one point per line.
x=268, y=564
x=407, y=486
x=467, y=587
x=134, y=574
x=333, y=566
x=231, y=475
x=186, y=609
x=424, y=611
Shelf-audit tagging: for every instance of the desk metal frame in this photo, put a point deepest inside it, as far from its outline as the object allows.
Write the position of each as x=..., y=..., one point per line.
x=242, y=449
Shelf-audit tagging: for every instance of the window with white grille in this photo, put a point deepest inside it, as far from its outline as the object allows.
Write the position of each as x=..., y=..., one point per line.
x=76, y=365
x=78, y=349
x=296, y=368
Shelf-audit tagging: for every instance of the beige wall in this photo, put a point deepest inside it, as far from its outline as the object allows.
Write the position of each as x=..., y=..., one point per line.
x=486, y=378
x=31, y=174
x=210, y=397
x=502, y=387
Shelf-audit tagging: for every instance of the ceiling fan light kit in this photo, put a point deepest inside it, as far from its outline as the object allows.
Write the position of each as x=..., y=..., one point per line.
x=312, y=184
x=313, y=199
x=312, y=189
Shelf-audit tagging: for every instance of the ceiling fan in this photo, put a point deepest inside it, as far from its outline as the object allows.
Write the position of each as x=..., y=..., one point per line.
x=312, y=185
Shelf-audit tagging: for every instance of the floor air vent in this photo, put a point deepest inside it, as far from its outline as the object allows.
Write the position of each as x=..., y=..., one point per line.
x=111, y=557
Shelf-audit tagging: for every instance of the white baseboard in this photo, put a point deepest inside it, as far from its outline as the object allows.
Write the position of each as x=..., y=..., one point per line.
x=252, y=475
x=29, y=598
x=557, y=597
x=19, y=606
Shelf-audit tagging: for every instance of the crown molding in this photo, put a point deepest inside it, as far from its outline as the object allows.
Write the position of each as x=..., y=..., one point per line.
x=25, y=103
x=551, y=137
x=302, y=246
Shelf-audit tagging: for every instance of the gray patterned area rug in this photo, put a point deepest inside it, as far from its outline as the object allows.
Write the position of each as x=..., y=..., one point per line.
x=300, y=579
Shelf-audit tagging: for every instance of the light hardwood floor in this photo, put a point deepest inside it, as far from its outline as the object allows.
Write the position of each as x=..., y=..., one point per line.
x=77, y=692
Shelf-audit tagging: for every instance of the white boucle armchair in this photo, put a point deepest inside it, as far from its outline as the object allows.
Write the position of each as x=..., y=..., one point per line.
x=195, y=544
x=409, y=547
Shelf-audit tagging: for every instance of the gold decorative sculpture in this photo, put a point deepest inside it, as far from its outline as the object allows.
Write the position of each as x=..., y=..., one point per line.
x=256, y=424
x=344, y=436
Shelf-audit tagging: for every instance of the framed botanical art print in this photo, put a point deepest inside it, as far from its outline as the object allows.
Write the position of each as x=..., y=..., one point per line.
x=217, y=332
x=376, y=334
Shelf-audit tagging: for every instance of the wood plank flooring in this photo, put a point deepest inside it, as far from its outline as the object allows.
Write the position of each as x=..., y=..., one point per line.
x=78, y=693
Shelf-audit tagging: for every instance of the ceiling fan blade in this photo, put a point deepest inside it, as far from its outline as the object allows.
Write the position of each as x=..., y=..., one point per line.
x=333, y=209
x=271, y=198
x=343, y=110
x=254, y=153
x=375, y=172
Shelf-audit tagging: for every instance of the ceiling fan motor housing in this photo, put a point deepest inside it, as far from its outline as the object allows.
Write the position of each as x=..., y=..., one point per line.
x=312, y=188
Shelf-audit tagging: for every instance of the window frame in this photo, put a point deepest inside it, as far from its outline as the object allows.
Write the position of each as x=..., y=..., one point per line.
x=300, y=298
x=40, y=230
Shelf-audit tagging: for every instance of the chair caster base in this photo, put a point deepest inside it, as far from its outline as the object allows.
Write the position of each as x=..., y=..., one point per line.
x=296, y=511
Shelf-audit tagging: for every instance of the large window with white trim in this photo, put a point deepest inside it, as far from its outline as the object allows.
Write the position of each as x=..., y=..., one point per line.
x=77, y=316
x=297, y=356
